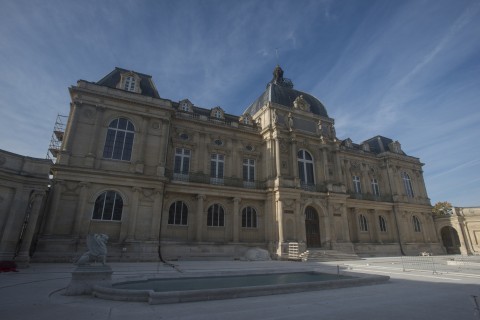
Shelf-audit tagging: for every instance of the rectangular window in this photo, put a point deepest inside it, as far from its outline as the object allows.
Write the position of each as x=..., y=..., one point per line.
x=375, y=188
x=216, y=168
x=248, y=170
x=356, y=184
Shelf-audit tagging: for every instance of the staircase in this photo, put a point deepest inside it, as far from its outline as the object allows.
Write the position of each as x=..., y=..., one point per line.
x=320, y=255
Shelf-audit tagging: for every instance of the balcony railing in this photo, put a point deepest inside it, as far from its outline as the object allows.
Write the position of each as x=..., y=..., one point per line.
x=313, y=187
x=196, y=177
x=371, y=197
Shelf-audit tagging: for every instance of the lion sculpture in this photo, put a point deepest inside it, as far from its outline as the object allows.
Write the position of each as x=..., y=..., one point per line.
x=97, y=249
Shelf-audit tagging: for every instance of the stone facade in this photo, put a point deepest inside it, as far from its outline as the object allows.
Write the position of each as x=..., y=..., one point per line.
x=162, y=176
x=459, y=231
x=23, y=189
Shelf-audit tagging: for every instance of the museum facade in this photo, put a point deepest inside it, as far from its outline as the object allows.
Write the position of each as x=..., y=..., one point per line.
x=186, y=182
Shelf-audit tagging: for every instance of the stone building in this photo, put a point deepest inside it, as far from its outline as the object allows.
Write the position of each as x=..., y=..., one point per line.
x=23, y=190
x=459, y=230
x=157, y=175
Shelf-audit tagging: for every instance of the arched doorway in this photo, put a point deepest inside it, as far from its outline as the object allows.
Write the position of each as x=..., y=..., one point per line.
x=312, y=227
x=450, y=240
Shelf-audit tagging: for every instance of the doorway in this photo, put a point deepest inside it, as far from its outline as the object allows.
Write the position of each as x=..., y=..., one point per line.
x=450, y=240
x=312, y=228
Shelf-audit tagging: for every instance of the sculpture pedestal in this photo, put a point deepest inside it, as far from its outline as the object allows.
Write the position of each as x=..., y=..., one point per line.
x=85, y=277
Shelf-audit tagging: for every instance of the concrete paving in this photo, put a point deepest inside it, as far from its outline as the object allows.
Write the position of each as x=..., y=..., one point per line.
x=37, y=293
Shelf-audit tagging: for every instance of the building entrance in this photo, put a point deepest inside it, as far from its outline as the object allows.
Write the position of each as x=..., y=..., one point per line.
x=450, y=240
x=312, y=228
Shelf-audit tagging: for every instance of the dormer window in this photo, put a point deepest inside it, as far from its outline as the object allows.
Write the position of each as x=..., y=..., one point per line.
x=185, y=105
x=246, y=119
x=129, y=84
x=217, y=113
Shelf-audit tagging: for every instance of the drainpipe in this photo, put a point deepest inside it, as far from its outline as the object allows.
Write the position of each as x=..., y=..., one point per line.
x=394, y=209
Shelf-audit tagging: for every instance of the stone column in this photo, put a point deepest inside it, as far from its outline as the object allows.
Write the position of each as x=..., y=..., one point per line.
x=354, y=226
x=301, y=235
x=325, y=163
x=277, y=158
x=132, y=219
x=338, y=169
x=80, y=214
x=64, y=155
x=162, y=151
x=95, y=137
x=24, y=253
x=200, y=200
x=157, y=213
x=279, y=226
x=269, y=218
x=375, y=226
x=295, y=172
x=236, y=218
x=52, y=215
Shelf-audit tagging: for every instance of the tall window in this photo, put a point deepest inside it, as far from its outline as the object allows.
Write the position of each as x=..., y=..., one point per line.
x=216, y=216
x=108, y=206
x=416, y=224
x=356, y=184
x=182, y=162
x=217, y=162
x=375, y=188
x=407, y=184
x=305, y=168
x=382, y=224
x=363, y=223
x=130, y=84
x=248, y=171
x=119, y=141
x=178, y=213
x=249, y=218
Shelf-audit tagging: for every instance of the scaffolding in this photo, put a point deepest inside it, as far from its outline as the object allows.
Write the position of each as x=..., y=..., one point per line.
x=57, y=137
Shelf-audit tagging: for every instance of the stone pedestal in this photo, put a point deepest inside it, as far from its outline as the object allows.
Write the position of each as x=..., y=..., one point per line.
x=85, y=277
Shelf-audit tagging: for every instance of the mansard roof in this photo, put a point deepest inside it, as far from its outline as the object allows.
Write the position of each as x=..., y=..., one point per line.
x=377, y=144
x=280, y=91
x=147, y=87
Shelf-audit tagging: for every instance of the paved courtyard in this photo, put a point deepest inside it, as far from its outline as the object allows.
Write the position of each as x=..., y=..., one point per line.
x=416, y=293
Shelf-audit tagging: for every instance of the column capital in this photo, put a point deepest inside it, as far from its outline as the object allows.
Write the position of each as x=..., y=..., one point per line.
x=201, y=197
x=237, y=199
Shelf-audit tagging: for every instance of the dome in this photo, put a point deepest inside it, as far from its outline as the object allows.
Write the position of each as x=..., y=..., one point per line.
x=280, y=91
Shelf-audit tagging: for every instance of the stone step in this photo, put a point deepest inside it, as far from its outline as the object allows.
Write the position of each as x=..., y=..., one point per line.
x=328, y=255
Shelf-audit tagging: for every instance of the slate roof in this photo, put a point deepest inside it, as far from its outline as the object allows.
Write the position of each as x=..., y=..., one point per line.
x=377, y=144
x=280, y=91
x=146, y=84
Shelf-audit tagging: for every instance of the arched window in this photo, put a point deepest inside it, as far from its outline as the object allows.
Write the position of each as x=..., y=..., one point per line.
x=119, y=141
x=363, y=222
x=178, y=213
x=407, y=184
x=382, y=224
x=305, y=168
x=108, y=206
x=416, y=224
x=216, y=216
x=249, y=218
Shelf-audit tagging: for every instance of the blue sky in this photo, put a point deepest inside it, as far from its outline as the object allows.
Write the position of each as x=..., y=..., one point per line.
x=407, y=70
